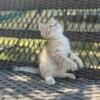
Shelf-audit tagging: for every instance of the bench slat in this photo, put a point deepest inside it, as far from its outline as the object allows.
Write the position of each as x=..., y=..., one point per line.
x=75, y=36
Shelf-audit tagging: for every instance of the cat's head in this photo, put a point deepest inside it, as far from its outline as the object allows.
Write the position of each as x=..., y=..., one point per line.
x=51, y=29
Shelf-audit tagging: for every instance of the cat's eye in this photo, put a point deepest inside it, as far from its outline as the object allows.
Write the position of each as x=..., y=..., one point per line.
x=50, y=25
x=53, y=25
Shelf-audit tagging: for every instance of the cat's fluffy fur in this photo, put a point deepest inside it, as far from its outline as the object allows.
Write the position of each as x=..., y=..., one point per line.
x=56, y=58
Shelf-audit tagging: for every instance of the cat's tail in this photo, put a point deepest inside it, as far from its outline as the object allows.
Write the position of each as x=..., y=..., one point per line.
x=26, y=69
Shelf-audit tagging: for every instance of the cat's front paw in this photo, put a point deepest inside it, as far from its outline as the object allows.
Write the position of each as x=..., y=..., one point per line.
x=50, y=80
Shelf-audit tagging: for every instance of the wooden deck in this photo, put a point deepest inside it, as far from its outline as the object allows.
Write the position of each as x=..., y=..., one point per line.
x=23, y=86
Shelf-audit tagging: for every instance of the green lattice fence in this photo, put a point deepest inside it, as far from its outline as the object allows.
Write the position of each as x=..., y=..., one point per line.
x=20, y=41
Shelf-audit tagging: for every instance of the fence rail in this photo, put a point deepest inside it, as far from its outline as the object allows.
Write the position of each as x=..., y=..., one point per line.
x=19, y=32
x=47, y=4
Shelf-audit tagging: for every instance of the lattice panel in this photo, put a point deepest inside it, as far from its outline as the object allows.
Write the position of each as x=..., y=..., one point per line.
x=89, y=52
x=20, y=50
x=81, y=20
x=13, y=48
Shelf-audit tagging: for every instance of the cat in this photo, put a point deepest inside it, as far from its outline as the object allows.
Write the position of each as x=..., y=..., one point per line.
x=56, y=58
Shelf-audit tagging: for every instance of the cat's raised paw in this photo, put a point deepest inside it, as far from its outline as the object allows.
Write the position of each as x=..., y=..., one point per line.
x=80, y=64
x=50, y=80
x=73, y=66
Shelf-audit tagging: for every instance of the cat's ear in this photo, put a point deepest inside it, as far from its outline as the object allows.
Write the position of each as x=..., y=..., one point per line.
x=40, y=27
x=59, y=18
x=52, y=19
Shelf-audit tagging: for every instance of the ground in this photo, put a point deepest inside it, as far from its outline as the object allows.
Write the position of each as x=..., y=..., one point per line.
x=23, y=86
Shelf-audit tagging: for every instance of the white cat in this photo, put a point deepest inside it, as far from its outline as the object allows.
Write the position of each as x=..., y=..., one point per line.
x=56, y=58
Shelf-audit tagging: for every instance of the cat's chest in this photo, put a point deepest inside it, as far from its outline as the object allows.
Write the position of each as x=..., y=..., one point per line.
x=55, y=44
x=61, y=45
